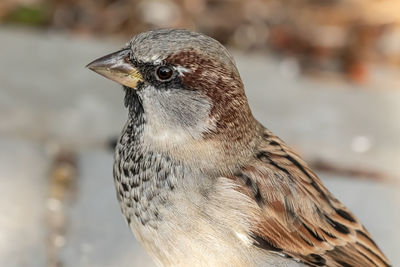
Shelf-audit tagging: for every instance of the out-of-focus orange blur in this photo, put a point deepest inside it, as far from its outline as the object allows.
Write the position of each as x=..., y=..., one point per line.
x=339, y=36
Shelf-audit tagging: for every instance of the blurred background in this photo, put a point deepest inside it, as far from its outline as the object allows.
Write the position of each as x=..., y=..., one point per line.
x=324, y=75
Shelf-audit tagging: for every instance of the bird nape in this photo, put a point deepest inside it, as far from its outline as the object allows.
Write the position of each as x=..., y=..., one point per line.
x=201, y=182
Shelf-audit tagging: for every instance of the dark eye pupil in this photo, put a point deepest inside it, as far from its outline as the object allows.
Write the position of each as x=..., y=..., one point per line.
x=164, y=73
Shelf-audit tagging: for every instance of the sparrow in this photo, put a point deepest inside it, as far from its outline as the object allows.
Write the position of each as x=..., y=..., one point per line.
x=201, y=182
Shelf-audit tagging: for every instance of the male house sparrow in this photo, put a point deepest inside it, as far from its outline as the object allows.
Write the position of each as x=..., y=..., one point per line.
x=201, y=182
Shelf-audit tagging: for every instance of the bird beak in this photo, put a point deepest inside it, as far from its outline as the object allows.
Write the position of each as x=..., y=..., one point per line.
x=117, y=67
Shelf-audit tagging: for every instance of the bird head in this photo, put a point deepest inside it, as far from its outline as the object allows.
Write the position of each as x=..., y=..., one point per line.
x=187, y=84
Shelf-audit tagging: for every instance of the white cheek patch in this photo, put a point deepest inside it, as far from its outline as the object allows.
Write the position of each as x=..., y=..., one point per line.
x=174, y=117
x=161, y=131
x=165, y=135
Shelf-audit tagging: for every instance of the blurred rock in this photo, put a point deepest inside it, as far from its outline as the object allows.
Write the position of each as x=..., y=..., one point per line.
x=97, y=234
x=23, y=192
x=49, y=96
x=331, y=35
x=159, y=14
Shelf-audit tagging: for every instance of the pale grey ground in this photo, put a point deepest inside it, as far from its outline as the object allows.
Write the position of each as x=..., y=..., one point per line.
x=47, y=98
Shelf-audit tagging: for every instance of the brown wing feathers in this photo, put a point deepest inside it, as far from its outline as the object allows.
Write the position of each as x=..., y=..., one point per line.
x=298, y=217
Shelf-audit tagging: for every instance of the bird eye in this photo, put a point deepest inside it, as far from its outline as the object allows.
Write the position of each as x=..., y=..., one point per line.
x=164, y=73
